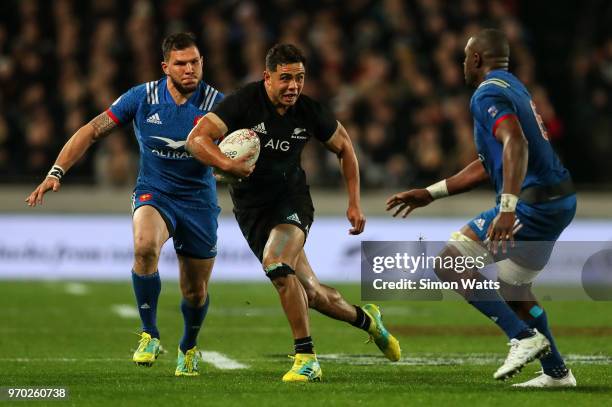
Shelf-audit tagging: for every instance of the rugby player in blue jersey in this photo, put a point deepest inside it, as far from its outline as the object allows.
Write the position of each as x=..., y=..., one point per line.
x=535, y=202
x=175, y=196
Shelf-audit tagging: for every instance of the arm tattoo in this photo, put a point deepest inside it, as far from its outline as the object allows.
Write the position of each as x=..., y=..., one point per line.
x=102, y=125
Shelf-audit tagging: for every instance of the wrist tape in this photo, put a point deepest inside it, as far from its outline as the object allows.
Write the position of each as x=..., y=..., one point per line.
x=508, y=202
x=56, y=172
x=438, y=190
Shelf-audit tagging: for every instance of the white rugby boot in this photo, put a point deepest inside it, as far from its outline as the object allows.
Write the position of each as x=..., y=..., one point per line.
x=544, y=380
x=522, y=352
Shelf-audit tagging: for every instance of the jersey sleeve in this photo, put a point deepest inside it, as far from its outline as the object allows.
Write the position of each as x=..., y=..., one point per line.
x=124, y=108
x=217, y=99
x=491, y=107
x=231, y=108
x=325, y=122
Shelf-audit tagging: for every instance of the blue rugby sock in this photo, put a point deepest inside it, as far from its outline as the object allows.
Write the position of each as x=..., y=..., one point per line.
x=552, y=364
x=492, y=305
x=193, y=317
x=146, y=290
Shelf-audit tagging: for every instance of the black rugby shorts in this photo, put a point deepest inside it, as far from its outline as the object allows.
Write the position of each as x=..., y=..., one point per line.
x=257, y=223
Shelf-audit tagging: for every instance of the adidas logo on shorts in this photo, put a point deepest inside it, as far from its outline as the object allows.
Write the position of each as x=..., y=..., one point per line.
x=154, y=119
x=260, y=128
x=294, y=217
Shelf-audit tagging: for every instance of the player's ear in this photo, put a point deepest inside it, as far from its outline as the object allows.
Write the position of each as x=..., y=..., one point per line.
x=477, y=60
x=266, y=76
x=164, y=66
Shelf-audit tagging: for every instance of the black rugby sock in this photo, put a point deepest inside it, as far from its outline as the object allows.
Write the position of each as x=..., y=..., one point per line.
x=304, y=345
x=362, y=321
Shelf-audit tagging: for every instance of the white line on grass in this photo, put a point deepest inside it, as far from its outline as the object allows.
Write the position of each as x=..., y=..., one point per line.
x=220, y=361
x=125, y=311
x=217, y=359
x=66, y=360
x=76, y=289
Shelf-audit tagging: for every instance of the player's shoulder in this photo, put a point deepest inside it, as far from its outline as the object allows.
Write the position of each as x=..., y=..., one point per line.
x=148, y=92
x=306, y=100
x=208, y=88
x=491, y=87
x=311, y=106
x=210, y=96
x=249, y=91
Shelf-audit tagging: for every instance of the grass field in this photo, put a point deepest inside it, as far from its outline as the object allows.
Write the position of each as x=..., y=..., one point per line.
x=81, y=335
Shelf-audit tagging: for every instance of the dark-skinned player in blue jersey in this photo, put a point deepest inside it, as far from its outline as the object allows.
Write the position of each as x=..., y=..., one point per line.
x=535, y=203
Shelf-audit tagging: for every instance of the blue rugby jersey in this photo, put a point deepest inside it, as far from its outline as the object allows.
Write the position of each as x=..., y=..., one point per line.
x=499, y=95
x=161, y=127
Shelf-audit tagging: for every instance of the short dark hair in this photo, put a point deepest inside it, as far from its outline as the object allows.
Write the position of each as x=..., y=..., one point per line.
x=283, y=54
x=177, y=41
x=493, y=43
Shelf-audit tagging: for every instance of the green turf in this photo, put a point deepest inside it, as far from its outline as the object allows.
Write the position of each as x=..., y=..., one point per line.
x=50, y=338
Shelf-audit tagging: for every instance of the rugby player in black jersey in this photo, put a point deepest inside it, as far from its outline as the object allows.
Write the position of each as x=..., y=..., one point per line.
x=273, y=205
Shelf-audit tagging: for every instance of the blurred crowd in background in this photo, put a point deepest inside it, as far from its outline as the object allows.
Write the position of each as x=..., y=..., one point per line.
x=391, y=70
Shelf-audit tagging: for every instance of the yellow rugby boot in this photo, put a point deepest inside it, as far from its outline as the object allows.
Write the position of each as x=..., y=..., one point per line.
x=305, y=369
x=148, y=350
x=379, y=334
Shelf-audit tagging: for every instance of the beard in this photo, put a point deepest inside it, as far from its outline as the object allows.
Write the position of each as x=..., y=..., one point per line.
x=184, y=90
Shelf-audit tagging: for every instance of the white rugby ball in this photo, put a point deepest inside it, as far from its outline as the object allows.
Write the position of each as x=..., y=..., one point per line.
x=238, y=144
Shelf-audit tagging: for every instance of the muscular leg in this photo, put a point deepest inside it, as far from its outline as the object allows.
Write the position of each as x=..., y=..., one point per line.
x=150, y=233
x=193, y=280
x=280, y=253
x=327, y=300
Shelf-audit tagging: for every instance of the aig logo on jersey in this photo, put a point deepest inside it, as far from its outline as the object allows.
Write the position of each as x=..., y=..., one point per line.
x=282, y=145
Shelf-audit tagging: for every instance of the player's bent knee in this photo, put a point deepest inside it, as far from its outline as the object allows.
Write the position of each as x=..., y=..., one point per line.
x=515, y=293
x=277, y=270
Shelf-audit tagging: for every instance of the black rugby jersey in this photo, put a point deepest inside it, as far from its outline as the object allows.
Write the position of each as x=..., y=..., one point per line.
x=283, y=137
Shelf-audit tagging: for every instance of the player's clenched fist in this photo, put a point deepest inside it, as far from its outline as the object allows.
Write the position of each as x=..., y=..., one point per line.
x=36, y=197
x=407, y=201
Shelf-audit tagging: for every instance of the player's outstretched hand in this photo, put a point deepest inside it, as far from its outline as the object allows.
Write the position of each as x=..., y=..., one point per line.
x=357, y=219
x=407, y=201
x=36, y=197
x=241, y=167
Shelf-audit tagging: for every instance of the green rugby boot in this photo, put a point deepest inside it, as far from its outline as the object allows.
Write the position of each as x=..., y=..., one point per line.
x=187, y=363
